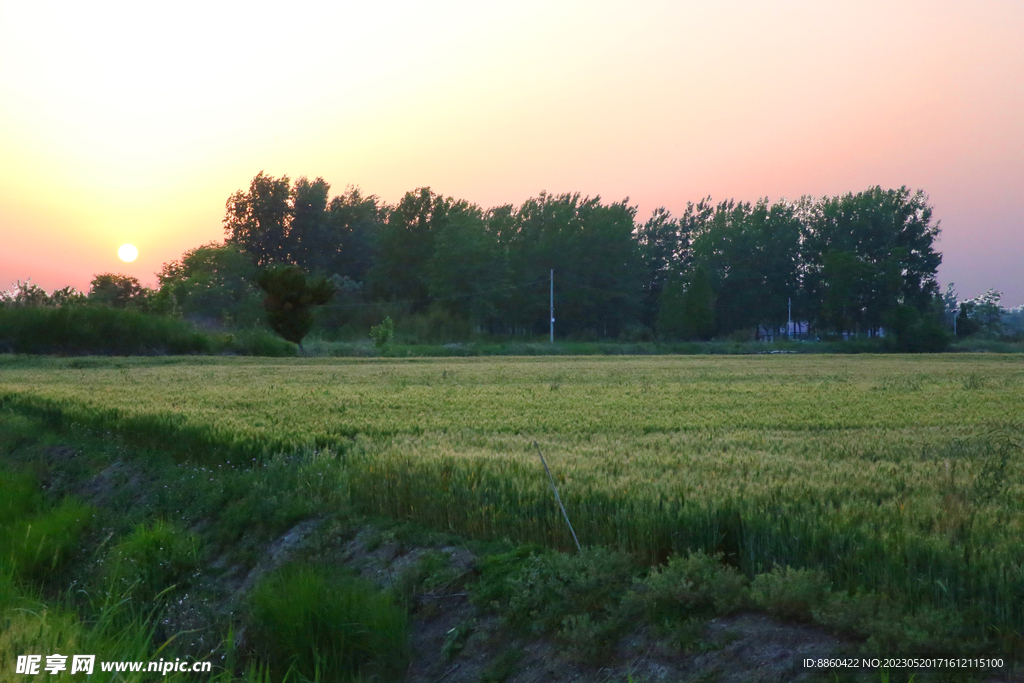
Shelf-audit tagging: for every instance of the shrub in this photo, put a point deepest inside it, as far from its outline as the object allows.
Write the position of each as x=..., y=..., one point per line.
x=96, y=329
x=695, y=584
x=383, y=333
x=312, y=620
x=577, y=596
x=256, y=342
x=790, y=593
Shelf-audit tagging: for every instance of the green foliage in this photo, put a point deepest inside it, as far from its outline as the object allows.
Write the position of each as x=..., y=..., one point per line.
x=38, y=544
x=21, y=498
x=917, y=333
x=694, y=584
x=688, y=310
x=578, y=596
x=256, y=342
x=28, y=294
x=790, y=593
x=119, y=291
x=320, y=623
x=150, y=560
x=290, y=299
x=212, y=282
x=97, y=330
x=383, y=333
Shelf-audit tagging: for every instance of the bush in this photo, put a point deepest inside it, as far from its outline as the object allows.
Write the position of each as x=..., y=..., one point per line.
x=790, y=593
x=383, y=333
x=256, y=342
x=914, y=332
x=696, y=584
x=313, y=621
x=578, y=596
x=150, y=560
x=96, y=329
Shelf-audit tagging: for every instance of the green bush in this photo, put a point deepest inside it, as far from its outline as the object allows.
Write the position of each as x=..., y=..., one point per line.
x=150, y=560
x=383, y=333
x=579, y=597
x=255, y=342
x=695, y=584
x=314, y=622
x=97, y=329
x=790, y=593
x=21, y=498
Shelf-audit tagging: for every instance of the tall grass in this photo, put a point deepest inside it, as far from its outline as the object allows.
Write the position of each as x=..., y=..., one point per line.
x=323, y=625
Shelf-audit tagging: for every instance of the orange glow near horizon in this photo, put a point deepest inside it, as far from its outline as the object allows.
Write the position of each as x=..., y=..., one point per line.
x=126, y=123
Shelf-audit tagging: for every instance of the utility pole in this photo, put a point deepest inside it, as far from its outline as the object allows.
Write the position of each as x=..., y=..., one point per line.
x=552, y=306
x=789, y=325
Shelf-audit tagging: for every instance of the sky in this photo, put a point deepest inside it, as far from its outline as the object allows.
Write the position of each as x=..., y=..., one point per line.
x=134, y=122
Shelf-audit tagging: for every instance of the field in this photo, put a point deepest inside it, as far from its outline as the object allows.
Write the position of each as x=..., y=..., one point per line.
x=893, y=474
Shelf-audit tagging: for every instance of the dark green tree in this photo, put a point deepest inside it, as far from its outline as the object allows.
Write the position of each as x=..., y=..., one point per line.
x=890, y=235
x=468, y=272
x=598, y=270
x=119, y=291
x=401, y=271
x=213, y=282
x=310, y=242
x=688, y=307
x=258, y=221
x=290, y=299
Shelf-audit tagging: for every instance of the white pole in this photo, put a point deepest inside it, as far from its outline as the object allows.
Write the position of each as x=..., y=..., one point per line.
x=789, y=324
x=552, y=316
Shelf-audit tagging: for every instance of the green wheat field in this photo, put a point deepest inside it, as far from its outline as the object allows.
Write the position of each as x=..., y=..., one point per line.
x=895, y=474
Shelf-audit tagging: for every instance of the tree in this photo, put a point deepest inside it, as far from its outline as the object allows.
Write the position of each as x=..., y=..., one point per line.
x=119, y=291
x=664, y=248
x=308, y=237
x=290, y=299
x=468, y=271
x=591, y=247
x=402, y=268
x=214, y=281
x=258, y=221
x=890, y=236
x=751, y=254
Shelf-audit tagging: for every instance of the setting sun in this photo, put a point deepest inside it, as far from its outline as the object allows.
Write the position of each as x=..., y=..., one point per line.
x=128, y=253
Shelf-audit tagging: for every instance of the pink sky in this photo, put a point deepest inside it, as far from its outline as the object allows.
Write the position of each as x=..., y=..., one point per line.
x=128, y=123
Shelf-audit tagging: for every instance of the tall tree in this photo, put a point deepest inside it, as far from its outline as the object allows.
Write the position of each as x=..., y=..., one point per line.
x=468, y=271
x=119, y=291
x=598, y=271
x=310, y=242
x=401, y=271
x=258, y=220
x=891, y=236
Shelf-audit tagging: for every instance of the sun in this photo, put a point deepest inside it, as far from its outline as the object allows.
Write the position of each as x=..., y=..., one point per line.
x=128, y=252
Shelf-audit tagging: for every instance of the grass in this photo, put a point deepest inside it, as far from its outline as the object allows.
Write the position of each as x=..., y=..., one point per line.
x=896, y=479
x=321, y=624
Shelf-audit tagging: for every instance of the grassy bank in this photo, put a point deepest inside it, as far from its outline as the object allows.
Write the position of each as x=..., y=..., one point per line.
x=133, y=554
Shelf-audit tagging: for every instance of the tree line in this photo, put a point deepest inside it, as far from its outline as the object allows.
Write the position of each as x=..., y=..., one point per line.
x=854, y=264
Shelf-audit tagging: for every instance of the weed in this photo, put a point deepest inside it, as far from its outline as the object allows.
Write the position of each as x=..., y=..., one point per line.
x=150, y=560
x=315, y=620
